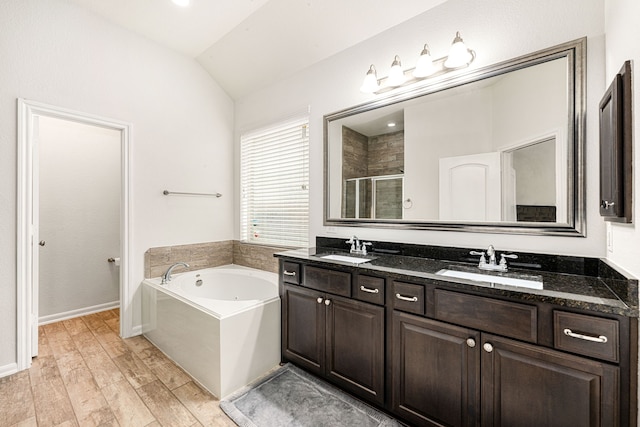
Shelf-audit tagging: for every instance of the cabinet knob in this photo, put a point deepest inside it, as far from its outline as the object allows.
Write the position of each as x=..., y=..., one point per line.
x=327, y=302
x=42, y=243
x=487, y=347
x=319, y=300
x=471, y=342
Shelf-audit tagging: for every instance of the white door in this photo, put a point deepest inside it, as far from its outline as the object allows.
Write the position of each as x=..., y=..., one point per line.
x=470, y=188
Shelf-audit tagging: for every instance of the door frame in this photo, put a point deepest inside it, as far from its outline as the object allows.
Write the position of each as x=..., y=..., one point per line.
x=27, y=210
x=561, y=165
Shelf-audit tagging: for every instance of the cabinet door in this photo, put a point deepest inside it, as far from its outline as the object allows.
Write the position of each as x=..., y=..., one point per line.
x=303, y=316
x=436, y=372
x=526, y=385
x=355, y=347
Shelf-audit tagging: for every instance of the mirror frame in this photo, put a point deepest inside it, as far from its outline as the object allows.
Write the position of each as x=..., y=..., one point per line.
x=575, y=52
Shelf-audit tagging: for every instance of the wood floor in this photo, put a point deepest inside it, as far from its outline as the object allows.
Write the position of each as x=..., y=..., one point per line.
x=86, y=375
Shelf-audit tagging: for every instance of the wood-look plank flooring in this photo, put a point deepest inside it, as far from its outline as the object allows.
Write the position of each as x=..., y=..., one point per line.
x=86, y=375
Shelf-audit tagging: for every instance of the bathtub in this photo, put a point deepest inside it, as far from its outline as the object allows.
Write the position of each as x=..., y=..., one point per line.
x=221, y=325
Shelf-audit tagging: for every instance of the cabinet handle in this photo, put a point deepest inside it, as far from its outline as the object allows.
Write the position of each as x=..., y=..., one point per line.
x=327, y=302
x=289, y=273
x=487, y=347
x=601, y=339
x=319, y=300
x=371, y=291
x=403, y=298
x=471, y=342
x=607, y=204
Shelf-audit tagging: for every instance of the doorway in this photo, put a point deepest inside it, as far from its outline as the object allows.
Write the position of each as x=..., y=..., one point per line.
x=68, y=213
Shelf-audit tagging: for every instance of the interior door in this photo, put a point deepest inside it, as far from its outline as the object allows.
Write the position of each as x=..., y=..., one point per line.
x=470, y=188
x=78, y=219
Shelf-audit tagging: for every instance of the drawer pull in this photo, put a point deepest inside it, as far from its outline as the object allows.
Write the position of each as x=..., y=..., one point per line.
x=289, y=273
x=369, y=290
x=403, y=298
x=601, y=339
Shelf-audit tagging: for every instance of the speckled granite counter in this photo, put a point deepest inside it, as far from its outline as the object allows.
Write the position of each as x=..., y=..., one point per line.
x=608, y=292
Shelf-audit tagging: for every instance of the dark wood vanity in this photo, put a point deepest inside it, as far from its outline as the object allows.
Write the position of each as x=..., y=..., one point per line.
x=437, y=352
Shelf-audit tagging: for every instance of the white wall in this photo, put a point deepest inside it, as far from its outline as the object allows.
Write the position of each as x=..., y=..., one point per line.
x=498, y=30
x=432, y=133
x=79, y=216
x=182, y=127
x=622, y=44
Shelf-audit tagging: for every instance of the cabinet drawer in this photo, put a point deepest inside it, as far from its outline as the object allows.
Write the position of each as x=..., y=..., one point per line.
x=505, y=318
x=369, y=289
x=332, y=281
x=586, y=335
x=291, y=273
x=408, y=297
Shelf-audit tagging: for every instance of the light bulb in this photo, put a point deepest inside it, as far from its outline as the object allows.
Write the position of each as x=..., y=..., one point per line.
x=181, y=3
x=396, y=74
x=424, y=67
x=459, y=55
x=370, y=83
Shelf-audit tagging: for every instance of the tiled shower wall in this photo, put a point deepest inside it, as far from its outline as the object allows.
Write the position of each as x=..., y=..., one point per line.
x=212, y=254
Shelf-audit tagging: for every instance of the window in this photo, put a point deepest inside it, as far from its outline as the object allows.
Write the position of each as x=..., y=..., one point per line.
x=275, y=184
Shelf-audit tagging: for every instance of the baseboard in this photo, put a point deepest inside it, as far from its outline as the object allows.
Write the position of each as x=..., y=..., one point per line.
x=51, y=318
x=9, y=369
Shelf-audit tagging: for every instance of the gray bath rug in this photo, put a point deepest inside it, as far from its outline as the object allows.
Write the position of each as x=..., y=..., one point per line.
x=292, y=397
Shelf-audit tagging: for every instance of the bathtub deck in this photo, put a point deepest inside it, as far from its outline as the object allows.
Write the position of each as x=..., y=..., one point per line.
x=86, y=375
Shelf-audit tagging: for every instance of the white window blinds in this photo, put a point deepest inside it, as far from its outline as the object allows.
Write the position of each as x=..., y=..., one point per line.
x=275, y=184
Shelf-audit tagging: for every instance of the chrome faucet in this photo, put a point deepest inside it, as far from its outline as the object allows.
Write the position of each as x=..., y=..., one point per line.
x=492, y=265
x=166, y=277
x=357, y=247
x=491, y=253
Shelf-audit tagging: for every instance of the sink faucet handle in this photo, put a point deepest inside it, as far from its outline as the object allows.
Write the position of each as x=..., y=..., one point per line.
x=503, y=257
x=483, y=260
x=364, y=247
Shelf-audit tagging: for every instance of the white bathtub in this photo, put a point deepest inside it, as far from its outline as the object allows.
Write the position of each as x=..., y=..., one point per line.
x=221, y=325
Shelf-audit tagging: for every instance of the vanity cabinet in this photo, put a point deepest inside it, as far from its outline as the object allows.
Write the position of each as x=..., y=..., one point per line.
x=436, y=372
x=436, y=354
x=333, y=335
x=529, y=385
x=447, y=375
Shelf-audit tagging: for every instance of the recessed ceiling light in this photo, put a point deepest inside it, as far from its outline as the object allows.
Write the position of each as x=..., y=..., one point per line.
x=181, y=3
x=391, y=124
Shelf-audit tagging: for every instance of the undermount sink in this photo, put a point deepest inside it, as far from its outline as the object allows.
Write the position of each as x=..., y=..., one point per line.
x=346, y=258
x=479, y=277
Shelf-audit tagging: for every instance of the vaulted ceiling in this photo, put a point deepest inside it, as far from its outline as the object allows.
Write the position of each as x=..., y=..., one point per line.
x=248, y=44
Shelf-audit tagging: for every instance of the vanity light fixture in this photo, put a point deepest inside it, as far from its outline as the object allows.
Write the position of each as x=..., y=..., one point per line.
x=370, y=83
x=459, y=57
x=396, y=73
x=424, y=66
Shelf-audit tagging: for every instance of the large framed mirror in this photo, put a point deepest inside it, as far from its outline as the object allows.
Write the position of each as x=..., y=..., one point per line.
x=499, y=150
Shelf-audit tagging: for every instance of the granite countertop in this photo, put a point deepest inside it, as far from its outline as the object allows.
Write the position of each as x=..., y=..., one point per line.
x=600, y=294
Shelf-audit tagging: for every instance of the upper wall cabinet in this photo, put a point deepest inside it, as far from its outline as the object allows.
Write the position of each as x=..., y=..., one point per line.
x=497, y=149
x=615, y=148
